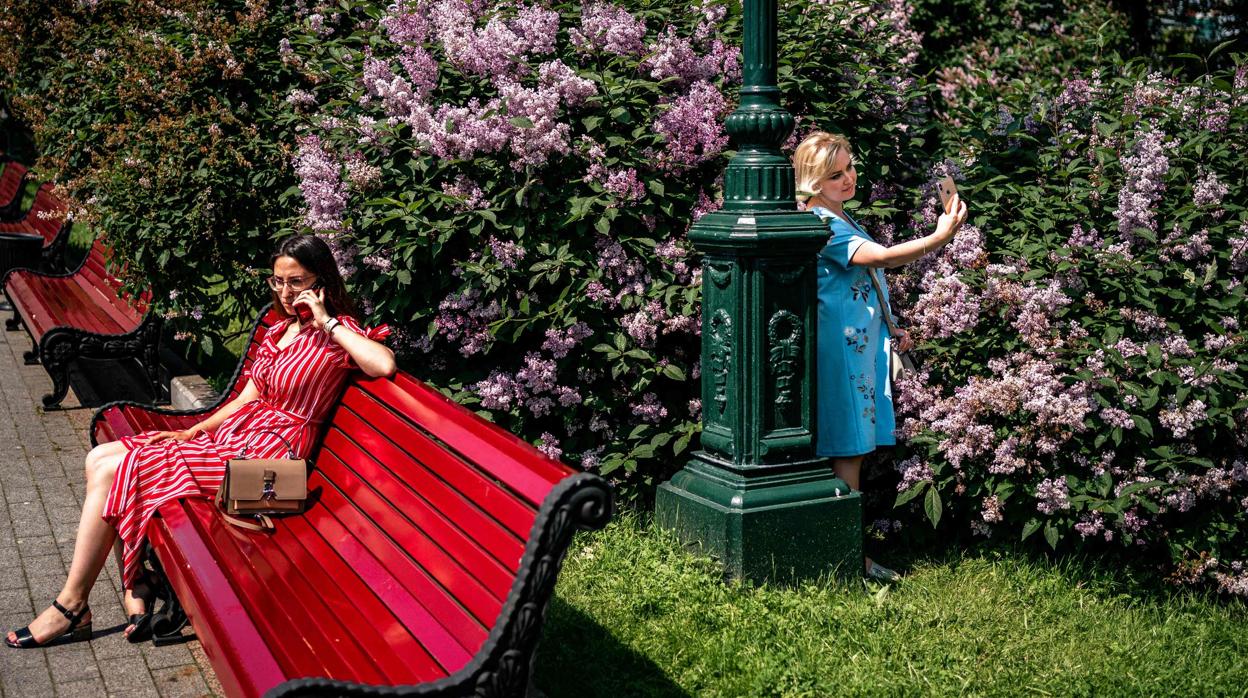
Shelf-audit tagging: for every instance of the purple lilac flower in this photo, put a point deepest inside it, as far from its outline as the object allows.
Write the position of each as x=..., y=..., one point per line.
x=649, y=409
x=507, y=253
x=1182, y=420
x=1091, y=524
x=406, y=22
x=610, y=28
x=1145, y=170
x=1053, y=496
x=361, y=174
x=498, y=392
x=913, y=471
x=549, y=445
x=1209, y=191
x=1080, y=238
x=692, y=128
x=320, y=181
x=467, y=190
x=560, y=343
x=991, y=512
x=625, y=186
x=1117, y=418
x=946, y=306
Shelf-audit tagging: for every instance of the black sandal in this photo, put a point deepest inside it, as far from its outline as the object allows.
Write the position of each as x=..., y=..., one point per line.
x=142, y=622
x=74, y=633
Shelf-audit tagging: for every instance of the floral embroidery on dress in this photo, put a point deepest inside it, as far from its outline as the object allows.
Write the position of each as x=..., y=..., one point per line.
x=862, y=289
x=857, y=339
x=866, y=387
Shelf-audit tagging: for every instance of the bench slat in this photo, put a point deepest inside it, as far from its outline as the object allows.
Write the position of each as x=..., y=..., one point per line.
x=402, y=512
x=446, y=628
x=435, y=476
x=507, y=458
x=259, y=559
x=401, y=657
x=274, y=621
x=244, y=664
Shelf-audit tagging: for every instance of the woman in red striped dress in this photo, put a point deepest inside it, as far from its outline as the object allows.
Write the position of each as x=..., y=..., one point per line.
x=298, y=372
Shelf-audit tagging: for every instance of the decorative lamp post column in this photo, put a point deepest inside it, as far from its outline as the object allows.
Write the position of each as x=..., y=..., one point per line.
x=756, y=497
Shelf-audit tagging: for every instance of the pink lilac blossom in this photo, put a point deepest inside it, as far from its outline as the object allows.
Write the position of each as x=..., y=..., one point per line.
x=361, y=174
x=463, y=319
x=549, y=445
x=498, y=50
x=610, y=28
x=649, y=409
x=1145, y=169
x=508, y=254
x=991, y=512
x=1182, y=420
x=468, y=191
x=624, y=186
x=1052, y=495
x=1115, y=417
x=946, y=307
x=1090, y=238
x=966, y=250
x=407, y=22
x=560, y=343
x=498, y=392
x=913, y=471
x=643, y=325
x=320, y=182
x=692, y=128
x=1091, y=524
x=1209, y=191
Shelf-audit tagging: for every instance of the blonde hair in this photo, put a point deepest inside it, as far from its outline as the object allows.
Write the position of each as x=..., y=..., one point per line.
x=812, y=161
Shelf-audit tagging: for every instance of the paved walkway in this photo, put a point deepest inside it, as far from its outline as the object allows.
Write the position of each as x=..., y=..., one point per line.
x=41, y=490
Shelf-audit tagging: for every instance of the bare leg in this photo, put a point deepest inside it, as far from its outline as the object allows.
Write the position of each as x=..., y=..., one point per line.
x=91, y=546
x=850, y=470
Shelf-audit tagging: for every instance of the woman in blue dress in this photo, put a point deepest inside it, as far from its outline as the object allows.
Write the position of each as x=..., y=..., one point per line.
x=855, y=401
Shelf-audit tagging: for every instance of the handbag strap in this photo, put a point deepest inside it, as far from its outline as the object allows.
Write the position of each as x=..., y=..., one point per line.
x=879, y=293
x=265, y=525
x=290, y=450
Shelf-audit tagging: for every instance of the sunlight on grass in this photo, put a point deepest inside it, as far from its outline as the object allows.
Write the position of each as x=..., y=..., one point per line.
x=635, y=615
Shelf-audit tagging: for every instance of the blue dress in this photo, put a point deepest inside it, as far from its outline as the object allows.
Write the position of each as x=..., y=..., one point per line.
x=855, y=398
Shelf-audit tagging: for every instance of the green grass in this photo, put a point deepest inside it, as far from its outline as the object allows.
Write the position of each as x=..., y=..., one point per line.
x=634, y=615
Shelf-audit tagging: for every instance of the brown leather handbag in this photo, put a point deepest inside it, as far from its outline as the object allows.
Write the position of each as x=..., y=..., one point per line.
x=261, y=487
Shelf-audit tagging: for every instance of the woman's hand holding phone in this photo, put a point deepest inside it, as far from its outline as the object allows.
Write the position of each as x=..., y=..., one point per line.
x=954, y=214
x=310, y=306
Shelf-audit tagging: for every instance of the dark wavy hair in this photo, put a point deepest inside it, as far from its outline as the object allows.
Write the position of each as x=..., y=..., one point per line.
x=313, y=254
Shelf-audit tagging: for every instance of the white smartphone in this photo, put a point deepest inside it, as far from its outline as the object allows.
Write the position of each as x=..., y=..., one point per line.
x=947, y=189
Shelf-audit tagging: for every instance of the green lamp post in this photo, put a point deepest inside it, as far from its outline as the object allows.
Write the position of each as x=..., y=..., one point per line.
x=755, y=496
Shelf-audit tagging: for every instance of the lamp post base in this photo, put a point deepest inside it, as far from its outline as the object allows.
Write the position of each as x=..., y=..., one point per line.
x=779, y=527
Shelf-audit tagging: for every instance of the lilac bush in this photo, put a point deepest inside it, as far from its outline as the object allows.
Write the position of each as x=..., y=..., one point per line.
x=533, y=168
x=1084, y=341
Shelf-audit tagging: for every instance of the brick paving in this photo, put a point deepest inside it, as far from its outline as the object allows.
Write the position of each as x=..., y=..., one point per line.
x=41, y=490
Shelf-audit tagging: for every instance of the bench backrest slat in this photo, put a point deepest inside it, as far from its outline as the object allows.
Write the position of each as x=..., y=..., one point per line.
x=507, y=458
x=95, y=275
x=11, y=181
x=439, y=513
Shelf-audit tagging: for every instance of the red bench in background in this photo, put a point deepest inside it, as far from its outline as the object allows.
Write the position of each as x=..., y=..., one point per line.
x=82, y=314
x=126, y=417
x=12, y=178
x=36, y=240
x=427, y=557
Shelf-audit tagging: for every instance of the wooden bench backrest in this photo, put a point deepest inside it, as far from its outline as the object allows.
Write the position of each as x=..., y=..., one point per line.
x=47, y=214
x=439, y=498
x=95, y=274
x=11, y=181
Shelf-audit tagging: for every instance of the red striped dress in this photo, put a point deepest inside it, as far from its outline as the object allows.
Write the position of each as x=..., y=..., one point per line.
x=297, y=385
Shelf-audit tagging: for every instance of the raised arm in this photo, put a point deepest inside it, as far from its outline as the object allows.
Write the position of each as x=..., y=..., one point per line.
x=870, y=254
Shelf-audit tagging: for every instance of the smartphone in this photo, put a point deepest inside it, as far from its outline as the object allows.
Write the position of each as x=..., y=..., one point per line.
x=947, y=189
x=302, y=311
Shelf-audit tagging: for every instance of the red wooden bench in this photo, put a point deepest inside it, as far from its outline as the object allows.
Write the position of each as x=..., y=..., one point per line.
x=82, y=314
x=427, y=557
x=12, y=178
x=37, y=239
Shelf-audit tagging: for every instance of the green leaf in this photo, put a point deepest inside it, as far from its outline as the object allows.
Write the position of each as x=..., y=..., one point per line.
x=1029, y=528
x=1051, y=535
x=521, y=122
x=932, y=506
x=914, y=491
x=674, y=372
